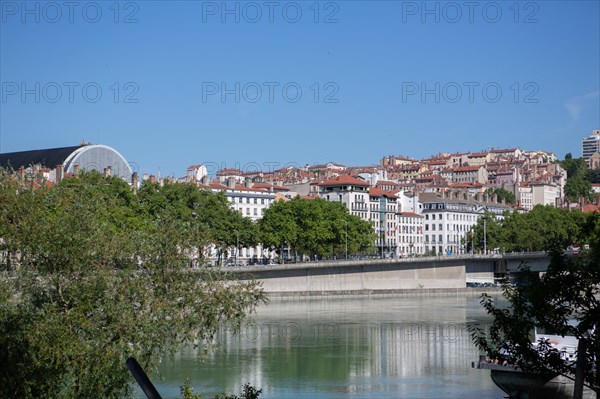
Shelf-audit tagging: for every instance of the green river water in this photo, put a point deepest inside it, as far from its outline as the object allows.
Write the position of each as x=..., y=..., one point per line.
x=344, y=347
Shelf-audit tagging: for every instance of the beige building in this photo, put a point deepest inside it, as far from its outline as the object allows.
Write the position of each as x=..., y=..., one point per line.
x=545, y=194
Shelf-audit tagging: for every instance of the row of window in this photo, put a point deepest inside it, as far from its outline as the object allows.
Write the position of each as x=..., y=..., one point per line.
x=449, y=227
x=409, y=220
x=410, y=238
x=453, y=216
x=245, y=200
x=256, y=212
x=408, y=250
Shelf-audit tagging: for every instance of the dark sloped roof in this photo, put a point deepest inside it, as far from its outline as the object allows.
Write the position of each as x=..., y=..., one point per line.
x=49, y=157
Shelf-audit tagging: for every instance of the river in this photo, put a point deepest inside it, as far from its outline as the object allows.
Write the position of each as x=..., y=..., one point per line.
x=344, y=347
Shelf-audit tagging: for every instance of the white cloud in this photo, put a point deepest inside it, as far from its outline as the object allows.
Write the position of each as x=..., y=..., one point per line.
x=576, y=105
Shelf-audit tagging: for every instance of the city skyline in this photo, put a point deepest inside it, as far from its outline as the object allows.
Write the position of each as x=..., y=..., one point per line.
x=172, y=85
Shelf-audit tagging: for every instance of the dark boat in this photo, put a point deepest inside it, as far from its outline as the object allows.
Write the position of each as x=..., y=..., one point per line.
x=520, y=385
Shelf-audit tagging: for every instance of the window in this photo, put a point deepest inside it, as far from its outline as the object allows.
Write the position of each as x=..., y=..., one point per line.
x=248, y=211
x=255, y=212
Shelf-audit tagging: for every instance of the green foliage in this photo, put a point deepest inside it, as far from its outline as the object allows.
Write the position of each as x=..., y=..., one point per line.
x=502, y=194
x=315, y=227
x=248, y=392
x=538, y=230
x=578, y=183
x=97, y=274
x=593, y=175
x=567, y=292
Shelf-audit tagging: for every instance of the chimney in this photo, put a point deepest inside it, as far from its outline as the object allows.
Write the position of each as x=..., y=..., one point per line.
x=59, y=173
x=152, y=179
x=76, y=169
x=135, y=181
x=248, y=182
x=231, y=182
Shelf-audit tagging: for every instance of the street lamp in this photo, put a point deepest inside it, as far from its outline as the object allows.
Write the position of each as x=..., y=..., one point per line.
x=237, y=247
x=484, y=236
x=346, y=223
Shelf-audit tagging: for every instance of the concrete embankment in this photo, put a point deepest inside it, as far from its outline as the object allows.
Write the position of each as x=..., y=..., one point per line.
x=435, y=276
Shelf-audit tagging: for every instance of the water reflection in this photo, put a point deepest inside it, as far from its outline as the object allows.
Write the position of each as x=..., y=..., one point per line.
x=361, y=347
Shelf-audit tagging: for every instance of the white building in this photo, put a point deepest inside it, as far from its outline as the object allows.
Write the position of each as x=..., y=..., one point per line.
x=450, y=216
x=249, y=202
x=545, y=193
x=377, y=206
x=525, y=198
x=410, y=234
x=195, y=173
x=590, y=145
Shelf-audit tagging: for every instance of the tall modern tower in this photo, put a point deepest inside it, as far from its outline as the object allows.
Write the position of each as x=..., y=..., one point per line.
x=590, y=145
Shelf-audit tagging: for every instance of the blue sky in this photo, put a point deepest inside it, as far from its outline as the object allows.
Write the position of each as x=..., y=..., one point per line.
x=247, y=84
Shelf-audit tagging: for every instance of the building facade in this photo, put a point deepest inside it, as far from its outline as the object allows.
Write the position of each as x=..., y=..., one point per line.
x=410, y=234
x=590, y=145
x=449, y=217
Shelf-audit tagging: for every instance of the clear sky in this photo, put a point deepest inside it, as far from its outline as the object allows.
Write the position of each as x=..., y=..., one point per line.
x=266, y=83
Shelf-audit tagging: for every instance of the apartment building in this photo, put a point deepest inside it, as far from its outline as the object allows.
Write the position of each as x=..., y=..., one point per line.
x=590, y=145
x=373, y=204
x=449, y=216
x=410, y=234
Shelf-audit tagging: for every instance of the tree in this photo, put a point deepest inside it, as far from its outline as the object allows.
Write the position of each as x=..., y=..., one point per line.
x=532, y=231
x=578, y=183
x=315, y=227
x=502, y=194
x=278, y=228
x=567, y=291
x=487, y=233
x=101, y=274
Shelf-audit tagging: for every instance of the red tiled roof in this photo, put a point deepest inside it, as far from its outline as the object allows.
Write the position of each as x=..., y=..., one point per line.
x=590, y=208
x=466, y=169
x=410, y=214
x=268, y=186
x=230, y=171
x=377, y=192
x=344, y=180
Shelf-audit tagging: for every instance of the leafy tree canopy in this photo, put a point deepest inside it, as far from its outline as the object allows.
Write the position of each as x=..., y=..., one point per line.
x=94, y=274
x=564, y=300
